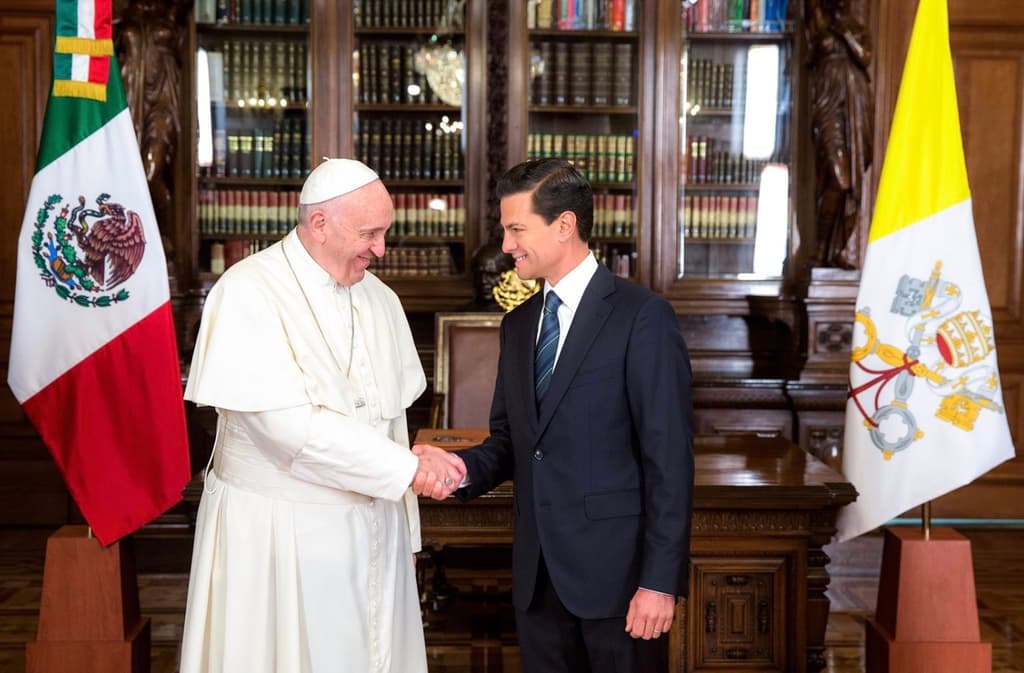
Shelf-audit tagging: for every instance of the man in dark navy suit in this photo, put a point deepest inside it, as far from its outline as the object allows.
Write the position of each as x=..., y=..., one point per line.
x=591, y=419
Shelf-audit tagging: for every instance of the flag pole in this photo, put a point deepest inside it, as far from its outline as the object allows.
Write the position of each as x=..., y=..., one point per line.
x=926, y=519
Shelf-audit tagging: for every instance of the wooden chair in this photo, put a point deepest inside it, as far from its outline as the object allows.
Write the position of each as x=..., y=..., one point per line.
x=465, y=368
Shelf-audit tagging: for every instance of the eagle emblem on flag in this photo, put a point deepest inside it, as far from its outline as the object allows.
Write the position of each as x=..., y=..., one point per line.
x=948, y=347
x=84, y=253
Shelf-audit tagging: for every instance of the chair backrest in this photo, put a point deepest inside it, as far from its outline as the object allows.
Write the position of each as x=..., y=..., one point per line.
x=465, y=368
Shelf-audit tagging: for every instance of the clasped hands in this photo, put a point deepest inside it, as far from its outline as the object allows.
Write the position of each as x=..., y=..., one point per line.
x=439, y=472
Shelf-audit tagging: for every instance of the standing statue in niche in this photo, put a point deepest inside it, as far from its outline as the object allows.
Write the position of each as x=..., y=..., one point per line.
x=150, y=40
x=842, y=108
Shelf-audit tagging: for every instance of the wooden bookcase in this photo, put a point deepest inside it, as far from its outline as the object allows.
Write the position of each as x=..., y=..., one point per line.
x=252, y=146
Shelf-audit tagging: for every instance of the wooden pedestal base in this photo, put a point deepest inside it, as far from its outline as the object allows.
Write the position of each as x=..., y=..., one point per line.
x=89, y=617
x=927, y=614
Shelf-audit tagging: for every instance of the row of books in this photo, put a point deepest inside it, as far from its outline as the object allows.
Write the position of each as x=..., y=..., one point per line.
x=719, y=217
x=264, y=74
x=243, y=211
x=614, y=216
x=407, y=261
x=582, y=73
x=735, y=16
x=581, y=14
x=708, y=160
x=710, y=84
x=621, y=261
x=411, y=149
x=272, y=12
x=402, y=13
x=600, y=158
x=422, y=214
x=387, y=74
x=280, y=151
x=225, y=254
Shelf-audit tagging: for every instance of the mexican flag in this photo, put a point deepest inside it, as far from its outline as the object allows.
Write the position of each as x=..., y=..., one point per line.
x=93, y=356
x=925, y=410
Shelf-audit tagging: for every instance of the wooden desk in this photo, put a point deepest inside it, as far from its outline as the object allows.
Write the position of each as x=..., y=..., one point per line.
x=763, y=508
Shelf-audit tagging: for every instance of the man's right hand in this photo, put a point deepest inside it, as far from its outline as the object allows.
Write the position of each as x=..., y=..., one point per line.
x=439, y=473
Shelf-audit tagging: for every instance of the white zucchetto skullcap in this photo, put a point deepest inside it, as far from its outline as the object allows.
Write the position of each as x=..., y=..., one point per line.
x=335, y=177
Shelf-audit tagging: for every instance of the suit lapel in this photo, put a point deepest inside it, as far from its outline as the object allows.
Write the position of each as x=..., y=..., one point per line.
x=590, y=316
x=523, y=350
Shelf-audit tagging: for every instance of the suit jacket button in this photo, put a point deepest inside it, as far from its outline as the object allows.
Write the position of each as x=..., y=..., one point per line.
x=538, y=454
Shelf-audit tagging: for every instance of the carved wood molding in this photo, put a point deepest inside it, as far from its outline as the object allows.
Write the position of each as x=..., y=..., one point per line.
x=739, y=393
x=150, y=39
x=497, y=110
x=475, y=517
x=712, y=522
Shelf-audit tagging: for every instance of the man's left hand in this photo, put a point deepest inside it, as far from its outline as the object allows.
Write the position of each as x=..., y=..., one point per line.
x=650, y=614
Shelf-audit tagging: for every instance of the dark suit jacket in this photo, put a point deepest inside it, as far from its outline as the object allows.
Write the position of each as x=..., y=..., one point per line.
x=603, y=471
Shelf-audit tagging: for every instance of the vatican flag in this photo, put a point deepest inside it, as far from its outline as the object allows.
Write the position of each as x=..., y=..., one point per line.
x=924, y=413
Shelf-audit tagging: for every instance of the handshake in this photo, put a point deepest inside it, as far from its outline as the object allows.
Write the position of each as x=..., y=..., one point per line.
x=439, y=472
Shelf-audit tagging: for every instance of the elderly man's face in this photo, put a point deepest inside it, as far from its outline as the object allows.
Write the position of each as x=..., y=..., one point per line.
x=356, y=229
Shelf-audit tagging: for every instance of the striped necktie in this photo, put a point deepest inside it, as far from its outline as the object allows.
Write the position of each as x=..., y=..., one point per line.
x=547, y=345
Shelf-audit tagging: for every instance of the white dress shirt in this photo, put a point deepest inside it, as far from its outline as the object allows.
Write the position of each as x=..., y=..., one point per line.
x=570, y=290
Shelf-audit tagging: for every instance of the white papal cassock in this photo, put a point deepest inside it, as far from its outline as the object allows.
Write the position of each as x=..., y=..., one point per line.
x=303, y=559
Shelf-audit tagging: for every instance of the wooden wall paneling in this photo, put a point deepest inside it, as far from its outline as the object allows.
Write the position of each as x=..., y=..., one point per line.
x=990, y=87
x=331, y=98
x=891, y=25
x=26, y=34
x=475, y=131
x=995, y=495
x=646, y=142
x=987, y=41
x=31, y=489
x=517, y=39
x=664, y=202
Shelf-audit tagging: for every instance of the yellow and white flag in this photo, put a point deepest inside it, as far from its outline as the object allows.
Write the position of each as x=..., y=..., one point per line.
x=924, y=414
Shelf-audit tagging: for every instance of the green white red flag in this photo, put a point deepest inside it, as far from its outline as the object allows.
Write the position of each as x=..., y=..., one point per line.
x=93, y=358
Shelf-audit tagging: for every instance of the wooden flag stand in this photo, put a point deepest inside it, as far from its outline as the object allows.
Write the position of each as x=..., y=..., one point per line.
x=927, y=613
x=89, y=617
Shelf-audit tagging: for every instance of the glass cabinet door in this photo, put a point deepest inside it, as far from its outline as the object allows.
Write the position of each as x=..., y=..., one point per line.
x=409, y=83
x=736, y=139
x=583, y=101
x=252, y=106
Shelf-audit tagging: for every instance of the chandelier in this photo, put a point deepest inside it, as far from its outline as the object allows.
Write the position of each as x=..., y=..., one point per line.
x=440, y=61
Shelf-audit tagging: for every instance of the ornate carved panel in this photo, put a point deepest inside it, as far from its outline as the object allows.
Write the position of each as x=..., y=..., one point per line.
x=150, y=38
x=740, y=607
x=708, y=522
x=497, y=112
x=821, y=435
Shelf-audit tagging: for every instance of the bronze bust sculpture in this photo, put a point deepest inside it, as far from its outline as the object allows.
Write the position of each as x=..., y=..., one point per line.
x=489, y=262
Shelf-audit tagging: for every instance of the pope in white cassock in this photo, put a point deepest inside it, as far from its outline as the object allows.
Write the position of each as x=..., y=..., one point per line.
x=303, y=557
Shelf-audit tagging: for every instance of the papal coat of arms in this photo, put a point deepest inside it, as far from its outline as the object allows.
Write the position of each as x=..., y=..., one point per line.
x=84, y=253
x=948, y=347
